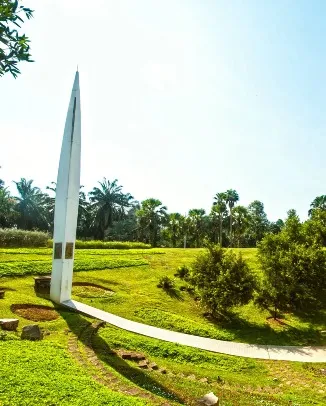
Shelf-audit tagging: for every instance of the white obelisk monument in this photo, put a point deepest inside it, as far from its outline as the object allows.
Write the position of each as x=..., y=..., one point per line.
x=66, y=202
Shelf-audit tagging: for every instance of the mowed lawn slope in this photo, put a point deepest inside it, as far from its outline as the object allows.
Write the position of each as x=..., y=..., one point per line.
x=46, y=373
x=133, y=276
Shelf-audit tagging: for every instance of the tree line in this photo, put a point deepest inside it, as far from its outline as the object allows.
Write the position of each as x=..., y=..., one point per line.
x=108, y=213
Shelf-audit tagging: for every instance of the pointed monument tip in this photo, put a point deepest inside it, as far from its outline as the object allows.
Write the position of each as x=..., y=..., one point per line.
x=76, y=81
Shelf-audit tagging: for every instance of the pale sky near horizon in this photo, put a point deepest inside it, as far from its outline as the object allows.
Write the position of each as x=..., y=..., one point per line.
x=180, y=99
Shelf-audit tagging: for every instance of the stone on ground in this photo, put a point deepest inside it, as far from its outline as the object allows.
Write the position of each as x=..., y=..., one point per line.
x=143, y=364
x=153, y=365
x=32, y=332
x=209, y=400
x=42, y=284
x=9, y=324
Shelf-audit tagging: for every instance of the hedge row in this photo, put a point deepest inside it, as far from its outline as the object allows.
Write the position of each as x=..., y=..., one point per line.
x=44, y=267
x=119, y=245
x=11, y=237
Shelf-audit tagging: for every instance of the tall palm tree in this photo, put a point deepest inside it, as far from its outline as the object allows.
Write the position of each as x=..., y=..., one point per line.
x=31, y=205
x=219, y=208
x=196, y=218
x=151, y=216
x=240, y=222
x=175, y=227
x=8, y=213
x=109, y=204
x=318, y=203
x=231, y=198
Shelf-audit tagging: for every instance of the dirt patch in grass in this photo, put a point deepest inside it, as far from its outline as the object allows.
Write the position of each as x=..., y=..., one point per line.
x=91, y=290
x=276, y=322
x=34, y=312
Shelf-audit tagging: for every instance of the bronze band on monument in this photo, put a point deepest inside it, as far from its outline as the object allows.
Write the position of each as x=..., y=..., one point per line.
x=69, y=250
x=58, y=250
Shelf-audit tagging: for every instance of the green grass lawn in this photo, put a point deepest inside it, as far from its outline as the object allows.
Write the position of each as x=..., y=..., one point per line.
x=37, y=372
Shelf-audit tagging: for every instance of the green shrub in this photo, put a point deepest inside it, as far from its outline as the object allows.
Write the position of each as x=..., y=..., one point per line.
x=183, y=272
x=12, y=237
x=222, y=279
x=166, y=282
x=119, y=245
x=293, y=265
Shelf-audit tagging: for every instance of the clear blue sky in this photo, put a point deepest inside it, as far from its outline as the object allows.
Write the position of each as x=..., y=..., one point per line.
x=180, y=99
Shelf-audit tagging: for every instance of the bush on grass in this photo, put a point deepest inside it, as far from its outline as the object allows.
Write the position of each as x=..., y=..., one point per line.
x=12, y=237
x=183, y=272
x=222, y=279
x=166, y=282
x=293, y=264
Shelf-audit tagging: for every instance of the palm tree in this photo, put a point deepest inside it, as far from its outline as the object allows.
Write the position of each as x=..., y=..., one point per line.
x=231, y=198
x=8, y=213
x=196, y=218
x=175, y=227
x=318, y=203
x=151, y=216
x=31, y=205
x=240, y=222
x=109, y=204
x=219, y=208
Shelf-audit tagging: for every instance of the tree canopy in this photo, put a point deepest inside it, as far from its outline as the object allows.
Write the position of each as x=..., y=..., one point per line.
x=107, y=212
x=14, y=46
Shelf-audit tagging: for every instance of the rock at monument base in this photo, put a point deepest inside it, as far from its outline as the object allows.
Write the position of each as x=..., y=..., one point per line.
x=32, y=332
x=2, y=294
x=143, y=364
x=42, y=284
x=9, y=324
x=208, y=400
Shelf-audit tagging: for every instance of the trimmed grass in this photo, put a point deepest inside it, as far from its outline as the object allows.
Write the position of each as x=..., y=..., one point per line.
x=236, y=380
x=43, y=373
x=46, y=374
x=133, y=276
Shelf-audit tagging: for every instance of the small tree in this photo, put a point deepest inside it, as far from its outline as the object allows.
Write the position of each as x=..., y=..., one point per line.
x=223, y=279
x=293, y=264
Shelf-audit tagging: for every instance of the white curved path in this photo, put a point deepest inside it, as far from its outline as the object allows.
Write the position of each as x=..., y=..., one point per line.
x=273, y=352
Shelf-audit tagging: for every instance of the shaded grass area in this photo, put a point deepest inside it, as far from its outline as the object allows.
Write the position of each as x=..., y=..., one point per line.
x=127, y=371
x=43, y=373
x=236, y=380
